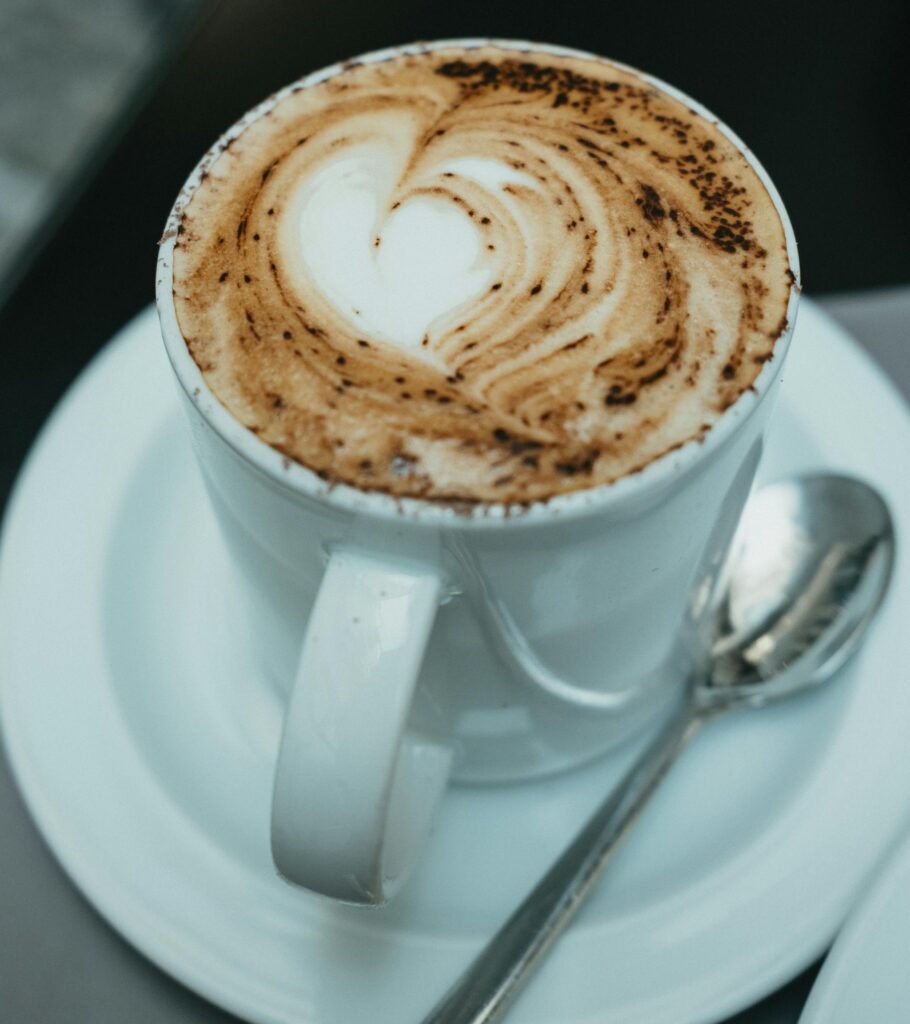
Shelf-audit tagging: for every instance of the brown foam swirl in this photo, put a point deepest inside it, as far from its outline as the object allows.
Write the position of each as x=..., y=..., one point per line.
x=636, y=278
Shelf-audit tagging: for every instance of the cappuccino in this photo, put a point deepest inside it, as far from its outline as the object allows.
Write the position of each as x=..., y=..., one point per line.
x=479, y=274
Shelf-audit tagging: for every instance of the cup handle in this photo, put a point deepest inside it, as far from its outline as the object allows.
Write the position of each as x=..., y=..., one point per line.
x=355, y=792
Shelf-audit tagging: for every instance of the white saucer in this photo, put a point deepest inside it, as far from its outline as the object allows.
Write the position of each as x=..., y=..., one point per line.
x=865, y=975
x=144, y=746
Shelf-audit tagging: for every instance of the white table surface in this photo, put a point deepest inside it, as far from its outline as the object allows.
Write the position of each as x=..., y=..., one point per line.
x=60, y=963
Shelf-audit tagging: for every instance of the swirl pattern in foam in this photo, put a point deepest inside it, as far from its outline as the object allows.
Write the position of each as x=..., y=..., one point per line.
x=479, y=274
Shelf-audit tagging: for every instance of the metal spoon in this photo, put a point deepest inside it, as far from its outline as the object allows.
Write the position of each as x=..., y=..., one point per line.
x=808, y=569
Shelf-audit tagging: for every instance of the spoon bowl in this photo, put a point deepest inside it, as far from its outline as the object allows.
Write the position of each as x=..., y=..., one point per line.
x=808, y=569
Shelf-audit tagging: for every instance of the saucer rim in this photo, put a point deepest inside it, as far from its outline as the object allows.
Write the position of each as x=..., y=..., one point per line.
x=850, y=948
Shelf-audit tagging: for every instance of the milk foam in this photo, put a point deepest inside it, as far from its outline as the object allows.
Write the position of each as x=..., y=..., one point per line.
x=394, y=272
x=473, y=275
x=390, y=273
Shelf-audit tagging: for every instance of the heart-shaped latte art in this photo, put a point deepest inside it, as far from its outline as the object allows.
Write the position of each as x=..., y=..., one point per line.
x=476, y=275
x=391, y=272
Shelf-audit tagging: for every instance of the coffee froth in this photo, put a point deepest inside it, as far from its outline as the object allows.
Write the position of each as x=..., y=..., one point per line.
x=479, y=274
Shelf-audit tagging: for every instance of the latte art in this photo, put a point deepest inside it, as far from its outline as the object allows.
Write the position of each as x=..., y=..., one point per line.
x=479, y=274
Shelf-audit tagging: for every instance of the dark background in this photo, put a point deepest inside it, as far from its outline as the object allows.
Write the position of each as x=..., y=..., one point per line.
x=819, y=91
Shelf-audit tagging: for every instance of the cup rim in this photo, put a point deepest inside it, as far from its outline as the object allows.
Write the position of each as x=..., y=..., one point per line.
x=294, y=476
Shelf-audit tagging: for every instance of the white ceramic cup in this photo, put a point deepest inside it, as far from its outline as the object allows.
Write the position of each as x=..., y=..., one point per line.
x=416, y=644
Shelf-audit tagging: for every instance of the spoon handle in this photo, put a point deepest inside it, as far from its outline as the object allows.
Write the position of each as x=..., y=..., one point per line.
x=486, y=989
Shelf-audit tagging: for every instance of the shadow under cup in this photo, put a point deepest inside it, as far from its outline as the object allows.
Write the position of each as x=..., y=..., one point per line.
x=565, y=627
